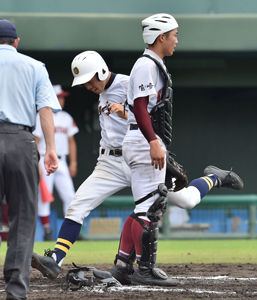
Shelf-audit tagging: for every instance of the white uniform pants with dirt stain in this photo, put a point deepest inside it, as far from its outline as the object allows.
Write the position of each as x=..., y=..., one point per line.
x=110, y=175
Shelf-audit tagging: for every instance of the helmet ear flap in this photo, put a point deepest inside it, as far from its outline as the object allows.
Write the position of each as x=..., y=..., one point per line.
x=102, y=74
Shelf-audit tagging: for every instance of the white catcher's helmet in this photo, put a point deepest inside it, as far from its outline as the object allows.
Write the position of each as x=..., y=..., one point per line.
x=85, y=65
x=157, y=24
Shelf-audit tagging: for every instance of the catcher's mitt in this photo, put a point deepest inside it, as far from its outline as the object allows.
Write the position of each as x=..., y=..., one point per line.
x=176, y=178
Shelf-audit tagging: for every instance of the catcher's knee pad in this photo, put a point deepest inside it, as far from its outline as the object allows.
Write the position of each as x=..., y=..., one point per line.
x=158, y=208
x=149, y=243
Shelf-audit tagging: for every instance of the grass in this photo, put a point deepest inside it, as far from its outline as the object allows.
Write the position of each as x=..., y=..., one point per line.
x=169, y=251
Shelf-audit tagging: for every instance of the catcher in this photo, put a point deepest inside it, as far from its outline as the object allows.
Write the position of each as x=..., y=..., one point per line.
x=145, y=148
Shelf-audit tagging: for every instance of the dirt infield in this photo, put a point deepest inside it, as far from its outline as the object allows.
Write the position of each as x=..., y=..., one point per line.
x=195, y=282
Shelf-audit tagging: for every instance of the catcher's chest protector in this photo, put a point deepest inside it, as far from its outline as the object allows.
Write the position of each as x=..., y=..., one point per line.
x=161, y=113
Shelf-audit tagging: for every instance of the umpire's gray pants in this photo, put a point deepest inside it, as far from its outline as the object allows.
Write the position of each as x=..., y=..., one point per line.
x=19, y=181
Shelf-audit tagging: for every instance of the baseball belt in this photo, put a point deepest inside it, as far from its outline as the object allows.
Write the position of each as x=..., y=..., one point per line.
x=7, y=125
x=115, y=152
x=133, y=126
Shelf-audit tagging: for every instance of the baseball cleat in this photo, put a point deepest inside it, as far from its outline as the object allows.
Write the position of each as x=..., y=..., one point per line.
x=225, y=178
x=46, y=264
x=121, y=274
x=146, y=276
x=9, y=297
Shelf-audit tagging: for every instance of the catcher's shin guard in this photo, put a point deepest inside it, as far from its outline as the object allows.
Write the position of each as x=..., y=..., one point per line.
x=149, y=235
x=149, y=243
x=147, y=273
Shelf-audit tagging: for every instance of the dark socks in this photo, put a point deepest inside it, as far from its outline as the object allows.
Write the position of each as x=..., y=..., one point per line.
x=68, y=234
x=204, y=184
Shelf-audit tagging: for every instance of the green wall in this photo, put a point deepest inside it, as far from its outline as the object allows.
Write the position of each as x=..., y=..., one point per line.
x=132, y=6
x=122, y=32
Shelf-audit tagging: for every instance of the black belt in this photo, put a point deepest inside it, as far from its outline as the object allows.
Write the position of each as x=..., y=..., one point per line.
x=23, y=127
x=133, y=127
x=115, y=152
x=9, y=125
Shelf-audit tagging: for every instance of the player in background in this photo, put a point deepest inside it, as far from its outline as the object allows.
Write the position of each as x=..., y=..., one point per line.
x=65, y=129
x=145, y=152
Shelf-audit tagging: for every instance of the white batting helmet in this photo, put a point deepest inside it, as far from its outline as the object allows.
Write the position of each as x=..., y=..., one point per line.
x=85, y=65
x=157, y=24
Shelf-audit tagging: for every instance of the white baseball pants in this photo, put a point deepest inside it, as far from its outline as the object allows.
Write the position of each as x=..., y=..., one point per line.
x=110, y=175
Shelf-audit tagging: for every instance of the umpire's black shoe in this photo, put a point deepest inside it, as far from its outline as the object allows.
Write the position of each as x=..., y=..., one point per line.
x=146, y=276
x=9, y=297
x=45, y=264
x=121, y=274
x=227, y=179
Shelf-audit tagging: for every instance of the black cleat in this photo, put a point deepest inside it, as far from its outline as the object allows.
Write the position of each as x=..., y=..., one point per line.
x=9, y=297
x=146, y=276
x=227, y=179
x=121, y=274
x=46, y=264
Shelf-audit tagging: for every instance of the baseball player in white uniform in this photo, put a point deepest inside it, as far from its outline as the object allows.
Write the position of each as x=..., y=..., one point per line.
x=65, y=129
x=111, y=173
x=145, y=152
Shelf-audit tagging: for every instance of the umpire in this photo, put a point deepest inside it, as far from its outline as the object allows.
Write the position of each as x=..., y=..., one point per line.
x=25, y=88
